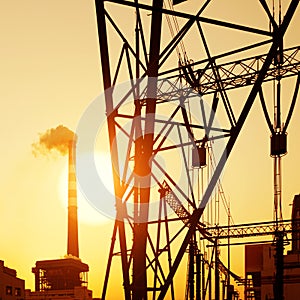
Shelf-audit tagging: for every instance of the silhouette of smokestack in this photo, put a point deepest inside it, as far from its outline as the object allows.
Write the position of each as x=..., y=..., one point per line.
x=72, y=203
x=64, y=140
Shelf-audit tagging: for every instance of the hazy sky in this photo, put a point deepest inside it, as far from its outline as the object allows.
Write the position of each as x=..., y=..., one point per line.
x=49, y=73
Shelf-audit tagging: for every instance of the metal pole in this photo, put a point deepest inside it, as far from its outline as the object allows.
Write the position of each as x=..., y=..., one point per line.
x=223, y=289
x=111, y=250
x=209, y=282
x=191, y=280
x=143, y=161
x=278, y=284
x=217, y=276
x=203, y=276
x=228, y=254
x=198, y=276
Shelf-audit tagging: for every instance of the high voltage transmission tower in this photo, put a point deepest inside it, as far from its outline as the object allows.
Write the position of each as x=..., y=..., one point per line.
x=172, y=113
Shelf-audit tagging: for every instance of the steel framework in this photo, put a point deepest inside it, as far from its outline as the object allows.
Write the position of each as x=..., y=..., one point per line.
x=153, y=249
x=250, y=229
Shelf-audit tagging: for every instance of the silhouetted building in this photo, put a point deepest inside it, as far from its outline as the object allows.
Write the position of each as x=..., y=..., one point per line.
x=259, y=271
x=260, y=267
x=60, y=279
x=296, y=225
x=60, y=274
x=78, y=293
x=11, y=287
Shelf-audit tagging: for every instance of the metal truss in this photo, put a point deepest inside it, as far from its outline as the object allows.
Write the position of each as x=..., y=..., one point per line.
x=250, y=229
x=239, y=73
x=152, y=248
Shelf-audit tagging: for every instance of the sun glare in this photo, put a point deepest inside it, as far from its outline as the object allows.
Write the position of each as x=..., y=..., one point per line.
x=103, y=165
x=88, y=212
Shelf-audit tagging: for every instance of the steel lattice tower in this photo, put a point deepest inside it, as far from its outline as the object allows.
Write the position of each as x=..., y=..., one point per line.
x=162, y=79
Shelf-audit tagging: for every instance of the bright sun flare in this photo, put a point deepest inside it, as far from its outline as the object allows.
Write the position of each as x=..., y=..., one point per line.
x=86, y=212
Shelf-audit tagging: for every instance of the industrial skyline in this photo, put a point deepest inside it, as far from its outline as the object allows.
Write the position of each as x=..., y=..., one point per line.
x=50, y=75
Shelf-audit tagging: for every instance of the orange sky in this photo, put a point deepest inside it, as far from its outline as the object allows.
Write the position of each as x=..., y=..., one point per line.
x=49, y=73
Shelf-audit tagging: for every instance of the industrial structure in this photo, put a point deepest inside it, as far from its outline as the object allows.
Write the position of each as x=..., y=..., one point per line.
x=179, y=87
x=260, y=265
x=66, y=278
x=172, y=125
x=11, y=287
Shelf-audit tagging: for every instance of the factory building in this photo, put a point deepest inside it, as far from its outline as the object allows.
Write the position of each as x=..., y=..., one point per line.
x=60, y=274
x=11, y=287
x=66, y=278
x=60, y=279
x=260, y=267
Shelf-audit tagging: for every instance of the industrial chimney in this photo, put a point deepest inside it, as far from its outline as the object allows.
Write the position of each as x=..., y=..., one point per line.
x=70, y=272
x=72, y=202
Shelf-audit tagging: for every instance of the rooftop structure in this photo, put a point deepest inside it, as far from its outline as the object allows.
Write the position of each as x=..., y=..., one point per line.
x=11, y=287
x=260, y=268
x=60, y=274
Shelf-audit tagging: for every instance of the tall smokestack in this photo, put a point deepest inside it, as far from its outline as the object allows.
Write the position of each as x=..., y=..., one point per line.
x=64, y=140
x=73, y=248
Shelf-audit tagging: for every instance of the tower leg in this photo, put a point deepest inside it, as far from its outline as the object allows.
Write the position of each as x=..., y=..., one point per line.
x=278, y=285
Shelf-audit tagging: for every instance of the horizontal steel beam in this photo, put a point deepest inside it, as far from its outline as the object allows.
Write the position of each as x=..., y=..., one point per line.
x=189, y=16
x=251, y=229
x=241, y=73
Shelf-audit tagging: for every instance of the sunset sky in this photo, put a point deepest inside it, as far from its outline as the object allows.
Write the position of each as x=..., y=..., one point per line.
x=49, y=74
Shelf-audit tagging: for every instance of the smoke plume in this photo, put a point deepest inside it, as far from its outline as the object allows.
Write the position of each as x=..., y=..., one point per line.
x=54, y=139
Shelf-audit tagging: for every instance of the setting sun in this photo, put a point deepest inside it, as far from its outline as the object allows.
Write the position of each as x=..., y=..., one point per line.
x=88, y=212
